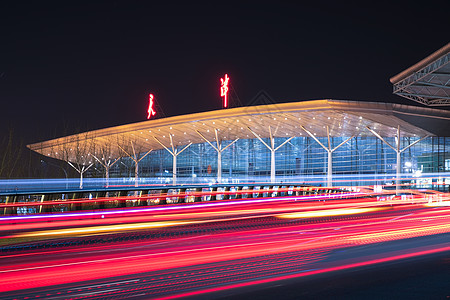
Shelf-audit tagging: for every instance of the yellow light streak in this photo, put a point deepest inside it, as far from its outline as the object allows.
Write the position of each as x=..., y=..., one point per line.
x=437, y=204
x=403, y=233
x=100, y=229
x=330, y=212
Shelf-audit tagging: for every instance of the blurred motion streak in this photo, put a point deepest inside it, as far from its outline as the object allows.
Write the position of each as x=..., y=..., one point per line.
x=175, y=251
x=329, y=213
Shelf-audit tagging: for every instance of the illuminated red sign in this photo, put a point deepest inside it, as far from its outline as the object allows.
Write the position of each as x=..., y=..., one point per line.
x=151, y=111
x=224, y=89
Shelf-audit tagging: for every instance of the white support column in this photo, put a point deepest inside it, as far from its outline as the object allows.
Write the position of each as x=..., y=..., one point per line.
x=219, y=166
x=330, y=169
x=174, y=152
x=219, y=156
x=107, y=166
x=330, y=152
x=330, y=161
x=174, y=161
x=272, y=150
x=219, y=150
x=137, y=164
x=81, y=171
x=272, y=166
x=136, y=167
x=136, y=159
x=174, y=169
x=398, y=151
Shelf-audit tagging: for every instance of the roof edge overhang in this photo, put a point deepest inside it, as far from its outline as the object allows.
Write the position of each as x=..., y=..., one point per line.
x=421, y=64
x=202, y=116
x=373, y=108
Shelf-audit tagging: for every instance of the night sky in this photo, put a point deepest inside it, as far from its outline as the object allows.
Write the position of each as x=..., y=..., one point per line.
x=68, y=66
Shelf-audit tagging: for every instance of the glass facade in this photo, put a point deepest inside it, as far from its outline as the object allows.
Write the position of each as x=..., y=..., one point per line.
x=301, y=159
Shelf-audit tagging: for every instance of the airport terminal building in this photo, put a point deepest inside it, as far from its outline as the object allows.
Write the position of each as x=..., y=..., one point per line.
x=328, y=142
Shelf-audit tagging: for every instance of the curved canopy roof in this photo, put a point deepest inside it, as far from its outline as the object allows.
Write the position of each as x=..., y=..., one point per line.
x=428, y=81
x=342, y=118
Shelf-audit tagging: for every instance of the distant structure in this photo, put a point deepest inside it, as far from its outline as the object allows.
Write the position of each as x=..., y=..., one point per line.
x=428, y=81
x=329, y=142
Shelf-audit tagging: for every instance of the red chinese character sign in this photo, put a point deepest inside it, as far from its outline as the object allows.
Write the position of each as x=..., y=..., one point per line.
x=151, y=103
x=224, y=90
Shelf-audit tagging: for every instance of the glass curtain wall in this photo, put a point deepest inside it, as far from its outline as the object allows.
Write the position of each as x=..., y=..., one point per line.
x=302, y=157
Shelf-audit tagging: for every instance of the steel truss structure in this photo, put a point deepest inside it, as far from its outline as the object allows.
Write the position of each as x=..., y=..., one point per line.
x=427, y=82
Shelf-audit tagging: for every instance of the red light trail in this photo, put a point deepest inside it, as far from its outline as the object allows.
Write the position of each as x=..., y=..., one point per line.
x=224, y=247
